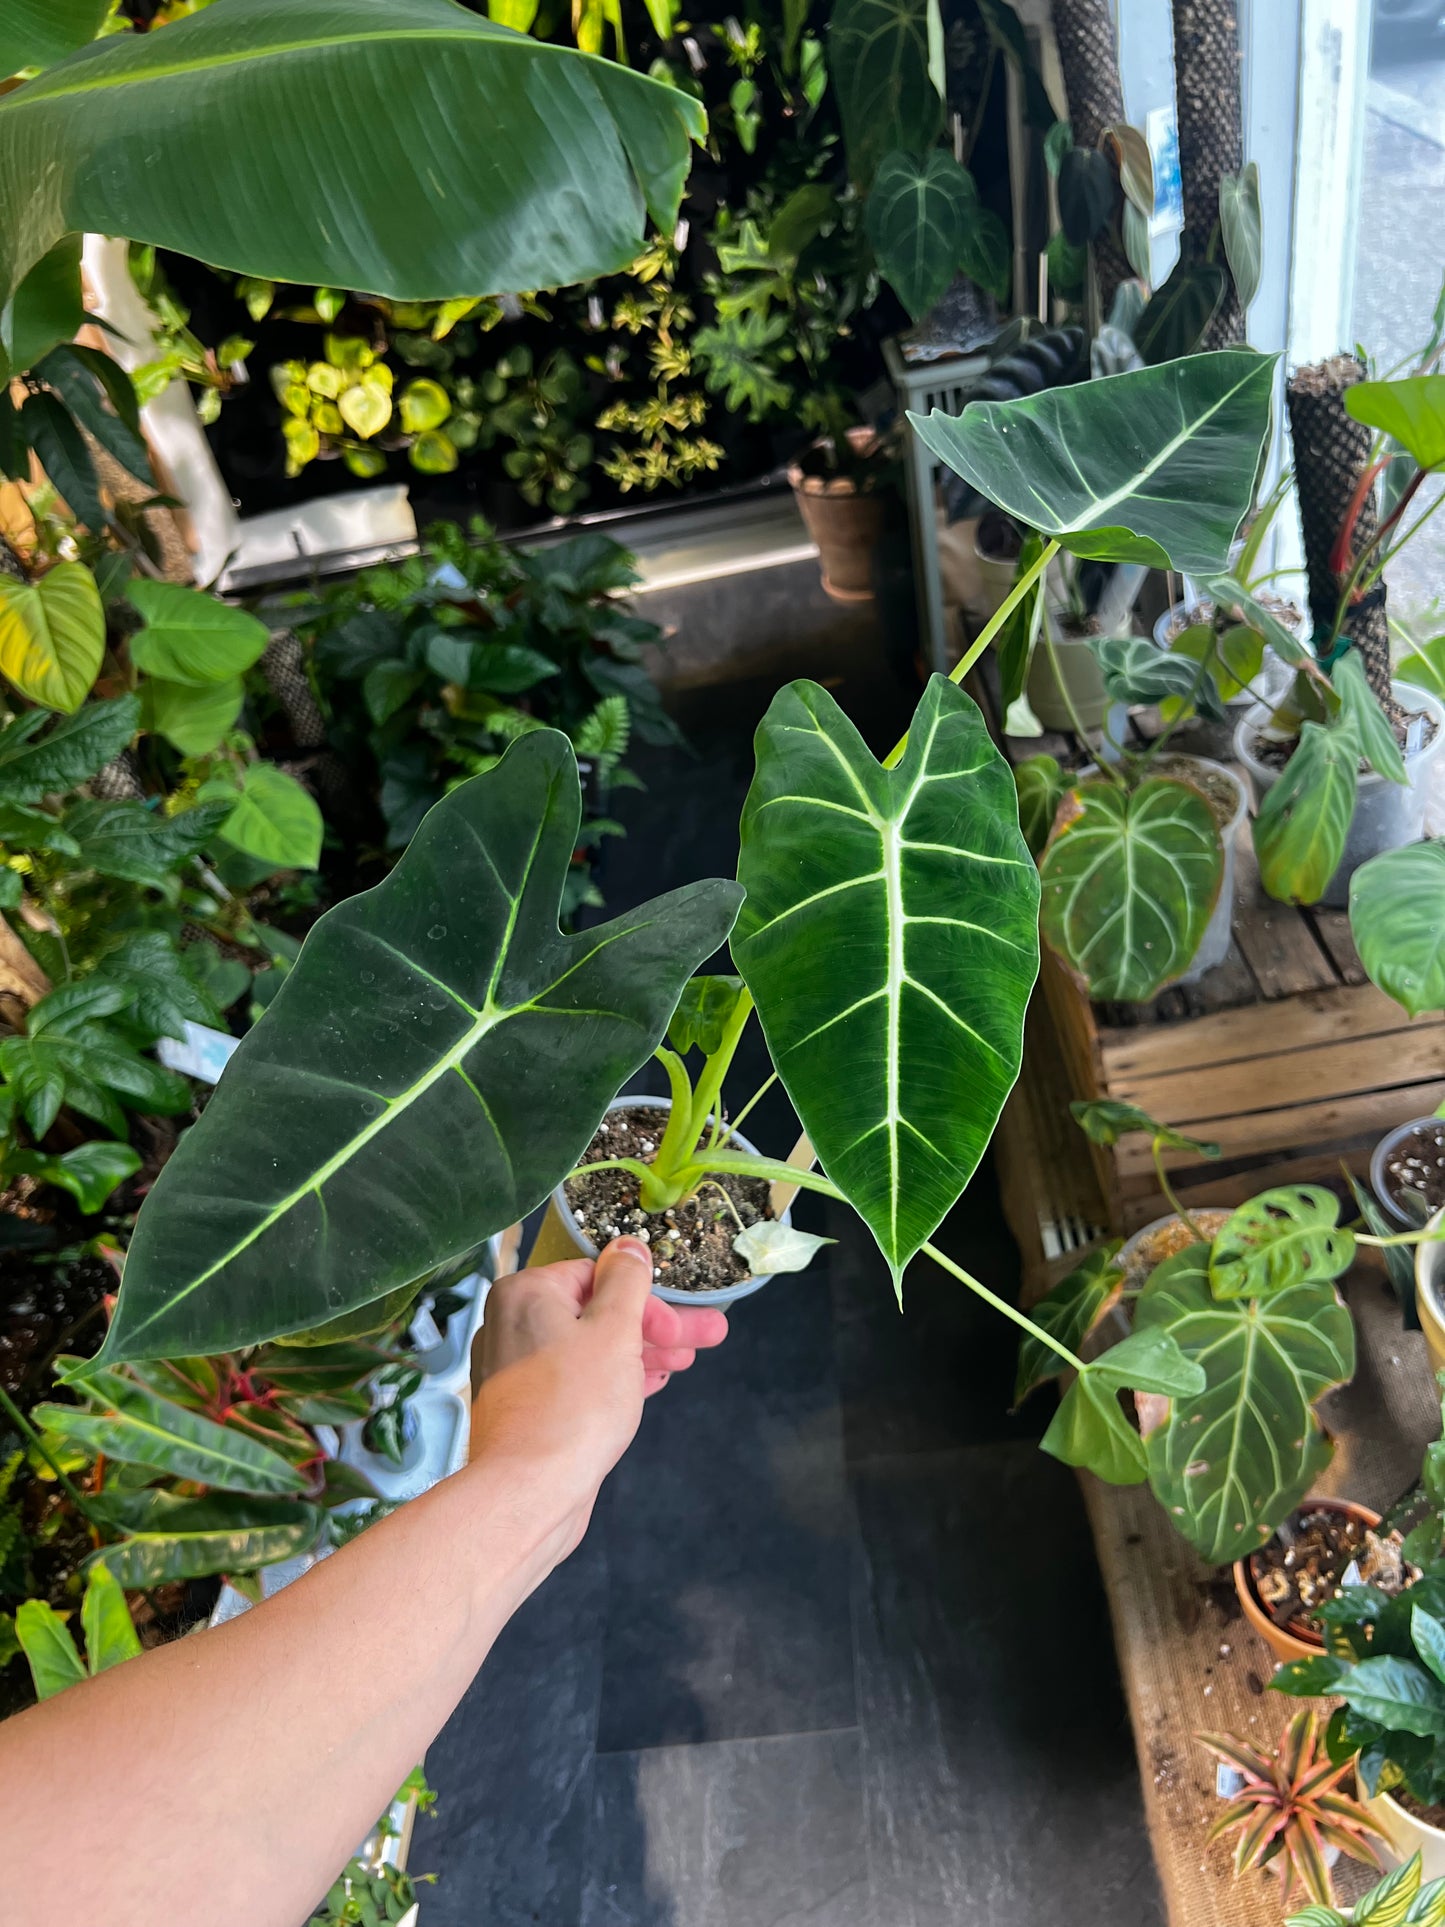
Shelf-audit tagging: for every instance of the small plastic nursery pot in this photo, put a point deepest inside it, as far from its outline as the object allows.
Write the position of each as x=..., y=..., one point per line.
x=1080, y=674
x=844, y=520
x=1407, y=1836
x=1285, y=1642
x=1430, y=1292
x=1214, y=944
x=1387, y=815
x=1179, y=615
x=560, y=1236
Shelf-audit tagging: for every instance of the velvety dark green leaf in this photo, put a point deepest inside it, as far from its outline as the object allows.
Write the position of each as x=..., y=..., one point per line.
x=1176, y=315
x=878, y=57
x=1300, y=831
x=431, y=1067
x=61, y=451
x=386, y=686
x=703, y=1013
x=125, y=838
x=1241, y=228
x=441, y=93
x=191, y=637
x=170, y=1538
x=1372, y=727
x=89, y=1173
x=1042, y=786
x=1090, y=1429
x=85, y=379
x=1104, y=1120
x=1149, y=1361
x=36, y=33
x=55, y=1662
x=1156, y=466
x=1069, y=1313
x=1282, y=1237
x=1231, y=1463
x=1087, y=194
x=917, y=209
x=1397, y=919
x=33, y=765
x=1135, y=671
x=986, y=256
x=110, y=1634
x=916, y=886
x=1129, y=881
x=1411, y=410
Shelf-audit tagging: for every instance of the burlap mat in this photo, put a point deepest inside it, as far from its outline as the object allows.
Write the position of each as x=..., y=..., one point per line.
x=1189, y=1660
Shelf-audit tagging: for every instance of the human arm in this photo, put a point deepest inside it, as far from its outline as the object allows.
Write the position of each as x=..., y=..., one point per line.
x=230, y=1775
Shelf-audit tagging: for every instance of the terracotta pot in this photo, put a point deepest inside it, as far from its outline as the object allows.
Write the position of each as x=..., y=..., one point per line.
x=844, y=521
x=1408, y=1836
x=1284, y=1643
x=1430, y=1293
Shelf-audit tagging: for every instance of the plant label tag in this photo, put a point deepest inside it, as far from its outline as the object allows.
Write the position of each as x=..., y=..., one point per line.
x=1228, y=1780
x=203, y=1054
x=1352, y=1575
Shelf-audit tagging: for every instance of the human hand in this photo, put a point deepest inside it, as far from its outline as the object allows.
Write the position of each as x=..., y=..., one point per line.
x=568, y=1352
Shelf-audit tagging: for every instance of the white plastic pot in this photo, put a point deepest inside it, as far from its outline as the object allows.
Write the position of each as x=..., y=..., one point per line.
x=1214, y=944
x=1408, y=1836
x=725, y=1294
x=1387, y=815
x=1273, y=674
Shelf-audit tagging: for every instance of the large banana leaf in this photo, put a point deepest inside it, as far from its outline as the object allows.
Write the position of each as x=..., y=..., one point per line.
x=35, y=32
x=418, y=152
x=172, y=1538
x=1154, y=466
x=434, y=1063
x=1230, y=1463
x=1397, y=919
x=1129, y=881
x=890, y=940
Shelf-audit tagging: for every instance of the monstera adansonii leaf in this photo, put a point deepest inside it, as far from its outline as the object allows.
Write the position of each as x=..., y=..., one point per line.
x=421, y=207
x=1231, y=1462
x=1156, y=465
x=890, y=940
x=1397, y=919
x=434, y=1063
x=1129, y=880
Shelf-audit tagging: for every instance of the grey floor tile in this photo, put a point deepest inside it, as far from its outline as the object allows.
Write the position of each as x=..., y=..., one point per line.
x=748, y=1833
x=998, y=1768
x=513, y=1765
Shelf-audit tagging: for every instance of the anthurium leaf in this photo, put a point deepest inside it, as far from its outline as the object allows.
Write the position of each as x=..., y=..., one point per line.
x=1233, y=1461
x=136, y=1427
x=768, y=1247
x=1280, y=1238
x=1226, y=593
x=1042, y=786
x=703, y=1013
x=1411, y=410
x=172, y=1538
x=191, y=637
x=916, y=213
x=878, y=58
x=110, y=1634
x=1090, y=1429
x=595, y=149
x=1135, y=671
x=1399, y=1694
x=1104, y=1120
x=917, y=887
x=36, y=33
x=432, y=1066
x=123, y=837
x=1129, y=881
x=1154, y=466
x=35, y=764
x=1176, y=315
x=1373, y=730
x=1397, y=919
x=89, y=1173
x=1149, y=1361
x=52, y=635
x=46, y=1642
x=1069, y=1313
x=1300, y=831
x=1242, y=229
x=1088, y=190
x=194, y=718
x=276, y=819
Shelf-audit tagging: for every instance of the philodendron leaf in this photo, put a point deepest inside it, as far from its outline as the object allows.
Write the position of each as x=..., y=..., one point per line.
x=191, y=637
x=1300, y=831
x=1226, y=593
x=916, y=215
x=1129, y=881
x=1411, y=410
x=1154, y=466
x=1069, y=1313
x=1104, y=1120
x=1242, y=229
x=55, y=1661
x=110, y=1634
x=1373, y=729
x=173, y=1538
x=193, y=717
x=878, y=58
x=276, y=819
x=703, y=1012
x=1041, y=787
x=890, y=940
x=433, y=1065
x=1135, y=671
x=98, y=143
x=1281, y=1238
x=1397, y=919
x=1149, y=1361
x=1090, y=1430
x=769, y=1247
x=1231, y=1462
x=52, y=635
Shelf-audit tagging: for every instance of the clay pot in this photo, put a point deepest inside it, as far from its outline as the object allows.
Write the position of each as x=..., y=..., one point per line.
x=1285, y=1644
x=845, y=522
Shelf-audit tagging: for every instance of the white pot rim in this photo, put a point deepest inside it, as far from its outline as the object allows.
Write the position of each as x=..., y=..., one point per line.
x=1410, y=1819
x=1257, y=714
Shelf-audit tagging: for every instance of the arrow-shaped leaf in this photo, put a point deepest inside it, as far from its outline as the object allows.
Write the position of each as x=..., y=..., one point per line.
x=434, y=1063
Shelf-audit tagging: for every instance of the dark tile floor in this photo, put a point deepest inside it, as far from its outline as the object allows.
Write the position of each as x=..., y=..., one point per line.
x=834, y=1651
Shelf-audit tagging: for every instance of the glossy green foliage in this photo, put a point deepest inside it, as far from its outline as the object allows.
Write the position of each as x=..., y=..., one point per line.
x=191, y=637
x=889, y=938
x=920, y=209
x=1042, y=786
x=1134, y=671
x=1130, y=878
x=36, y=761
x=1155, y=466
x=1397, y=919
x=1280, y=1238
x=1300, y=831
x=49, y=1646
x=878, y=57
x=1104, y=1120
x=703, y=1013
x=1229, y=1463
x=35, y=33
x=1069, y=1313
x=1411, y=411
x=52, y=635
x=167, y=1537
x=1091, y=1429
x=432, y=1066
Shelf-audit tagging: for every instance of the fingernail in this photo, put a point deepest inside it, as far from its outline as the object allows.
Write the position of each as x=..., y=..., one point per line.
x=634, y=1248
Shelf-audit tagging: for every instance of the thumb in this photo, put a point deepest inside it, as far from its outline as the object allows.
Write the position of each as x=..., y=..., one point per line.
x=621, y=1286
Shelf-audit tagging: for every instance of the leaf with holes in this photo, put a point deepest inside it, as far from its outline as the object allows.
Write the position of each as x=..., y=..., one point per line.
x=1154, y=466
x=1129, y=881
x=1090, y=1430
x=1231, y=1462
x=1397, y=919
x=916, y=885
x=52, y=635
x=433, y=1065
x=1042, y=786
x=878, y=57
x=1069, y=1313
x=1284, y=1237
x=1300, y=831
x=917, y=210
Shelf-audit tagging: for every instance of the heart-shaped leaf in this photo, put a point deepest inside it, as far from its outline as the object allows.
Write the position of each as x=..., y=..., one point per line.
x=878, y=58
x=193, y=718
x=917, y=888
x=1090, y=1430
x=171, y=1538
x=1300, y=831
x=1176, y=315
x=1411, y=410
x=1069, y=1313
x=1134, y=671
x=1155, y=466
x=1280, y=1238
x=1373, y=729
x=917, y=210
x=1042, y=786
x=1129, y=881
x=190, y=637
x=365, y=408
x=1149, y=1361
x=433, y=1065
x=1233, y=1461
x=1397, y=919
x=769, y=1247
x=52, y=635
x=275, y=819
x=1241, y=226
